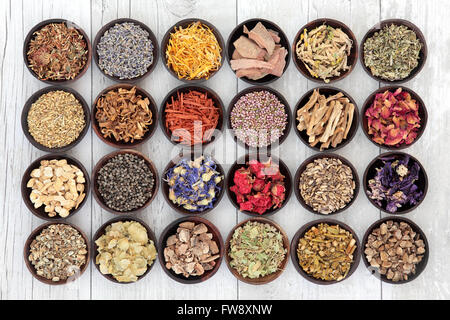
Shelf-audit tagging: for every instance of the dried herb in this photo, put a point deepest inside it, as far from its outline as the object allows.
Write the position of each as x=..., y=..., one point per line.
x=123, y=115
x=125, y=51
x=256, y=250
x=326, y=252
x=194, y=184
x=392, y=53
x=395, y=249
x=57, y=52
x=324, y=51
x=56, y=119
x=394, y=184
x=393, y=118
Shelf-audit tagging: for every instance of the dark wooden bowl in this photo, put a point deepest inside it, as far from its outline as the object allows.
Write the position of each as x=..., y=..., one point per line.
x=68, y=23
x=186, y=88
x=101, y=231
x=111, y=155
x=327, y=91
x=280, y=97
x=122, y=144
x=250, y=24
x=34, y=234
x=423, y=114
x=239, y=163
x=419, y=267
x=171, y=229
x=320, y=156
x=152, y=38
x=301, y=232
x=422, y=56
x=165, y=186
x=370, y=173
x=34, y=98
x=267, y=278
x=184, y=23
x=351, y=59
x=40, y=212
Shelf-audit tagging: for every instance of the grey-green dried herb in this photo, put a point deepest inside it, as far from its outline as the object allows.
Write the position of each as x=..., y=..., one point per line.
x=392, y=53
x=326, y=252
x=125, y=51
x=256, y=250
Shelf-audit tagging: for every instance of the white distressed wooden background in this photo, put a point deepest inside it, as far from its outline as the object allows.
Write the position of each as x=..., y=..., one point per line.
x=17, y=17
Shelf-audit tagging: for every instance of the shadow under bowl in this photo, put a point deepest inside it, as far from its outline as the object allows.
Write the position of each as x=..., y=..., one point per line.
x=423, y=114
x=122, y=144
x=283, y=101
x=31, y=268
x=270, y=277
x=351, y=59
x=238, y=31
x=34, y=98
x=419, y=267
x=399, y=22
x=165, y=187
x=69, y=24
x=101, y=231
x=40, y=212
x=171, y=229
x=183, y=24
x=370, y=173
x=151, y=36
x=185, y=89
x=242, y=162
x=311, y=159
x=327, y=91
x=301, y=232
x=108, y=157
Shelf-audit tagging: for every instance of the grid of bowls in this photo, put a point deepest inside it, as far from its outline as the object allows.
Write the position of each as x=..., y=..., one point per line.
x=227, y=50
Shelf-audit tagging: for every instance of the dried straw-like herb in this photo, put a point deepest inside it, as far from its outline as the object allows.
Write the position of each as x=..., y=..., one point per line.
x=57, y=52
x=392, y=53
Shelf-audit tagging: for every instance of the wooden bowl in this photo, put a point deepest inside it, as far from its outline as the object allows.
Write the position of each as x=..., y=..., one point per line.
x=280, y=97
x=327, y=91
x=171, y=229
x=267, y=278
x=301, y=232
x=34, y=234
x=250, y=24
x=102, y=162
x=184, y=23
x=422, y=55
x=152, y=38
x=68, y=23
x=34, y=98
x=419, y=267
x=40, y=212
x=101, y=231
x=320, y=156
x=351, y=59
x=122, y=144
x=370, y=173
x=165, y=186
x=241, y=162
x=184, y=89
x=423, y=114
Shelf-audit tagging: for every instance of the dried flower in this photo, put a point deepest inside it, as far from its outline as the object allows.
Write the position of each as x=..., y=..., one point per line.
x=57, y=52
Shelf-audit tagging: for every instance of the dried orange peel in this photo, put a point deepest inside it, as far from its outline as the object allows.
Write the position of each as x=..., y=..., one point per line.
x=193, y=52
